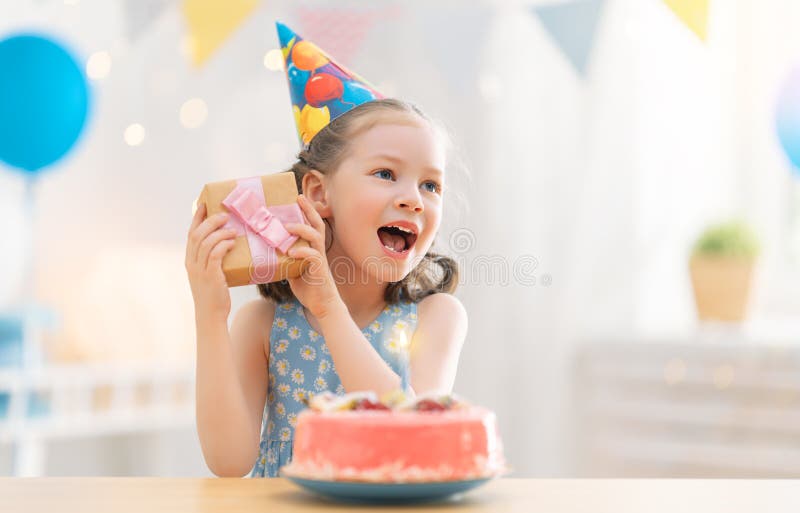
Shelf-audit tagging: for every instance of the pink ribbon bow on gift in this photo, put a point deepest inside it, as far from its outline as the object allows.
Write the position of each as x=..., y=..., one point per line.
x=252, y=211
x=263, y=226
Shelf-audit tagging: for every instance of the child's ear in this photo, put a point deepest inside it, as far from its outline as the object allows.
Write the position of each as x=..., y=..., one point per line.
x=315, y=189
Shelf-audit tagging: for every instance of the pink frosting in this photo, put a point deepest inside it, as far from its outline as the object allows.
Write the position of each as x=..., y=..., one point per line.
x=397, y=446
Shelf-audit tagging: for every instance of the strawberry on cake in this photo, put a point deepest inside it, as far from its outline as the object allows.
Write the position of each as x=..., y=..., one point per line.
x=432, y=438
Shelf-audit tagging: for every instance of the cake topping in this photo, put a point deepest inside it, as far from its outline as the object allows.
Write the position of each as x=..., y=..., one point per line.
x=328, y=401
x=396, y=400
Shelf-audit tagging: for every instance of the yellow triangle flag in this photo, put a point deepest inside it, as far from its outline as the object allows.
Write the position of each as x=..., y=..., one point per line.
x=211, y=22
x=694, y=13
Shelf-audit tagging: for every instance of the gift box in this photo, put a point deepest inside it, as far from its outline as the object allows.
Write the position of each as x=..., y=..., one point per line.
x=258, y=207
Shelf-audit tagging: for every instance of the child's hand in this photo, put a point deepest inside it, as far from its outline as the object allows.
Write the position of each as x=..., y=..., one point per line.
x=207, y=243
x=315, y=288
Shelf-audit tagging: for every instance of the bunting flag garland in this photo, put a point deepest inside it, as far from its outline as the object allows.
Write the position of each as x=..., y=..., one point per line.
x=453, y=37
x=140, y=14
x=693, y=13
x=572, y=25
x=341, y=30
x=211, y=22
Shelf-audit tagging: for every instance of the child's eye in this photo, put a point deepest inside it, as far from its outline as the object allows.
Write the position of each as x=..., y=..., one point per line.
x=434, y=187
x=384, y=172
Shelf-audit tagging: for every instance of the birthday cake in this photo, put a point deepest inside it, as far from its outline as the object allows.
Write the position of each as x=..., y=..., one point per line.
x=356, y=437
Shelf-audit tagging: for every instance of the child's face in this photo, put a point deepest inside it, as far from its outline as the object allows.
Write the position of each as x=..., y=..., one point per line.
x=393, y=173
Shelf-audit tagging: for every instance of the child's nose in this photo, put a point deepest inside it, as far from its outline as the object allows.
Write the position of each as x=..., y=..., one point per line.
x=410, y=201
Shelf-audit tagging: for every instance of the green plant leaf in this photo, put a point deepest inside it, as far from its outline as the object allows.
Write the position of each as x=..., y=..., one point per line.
x=733, y=238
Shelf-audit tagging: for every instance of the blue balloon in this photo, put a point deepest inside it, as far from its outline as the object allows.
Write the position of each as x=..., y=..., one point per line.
x=297, y=84
x=44, y=100
x=787, y=118
x=356, y=93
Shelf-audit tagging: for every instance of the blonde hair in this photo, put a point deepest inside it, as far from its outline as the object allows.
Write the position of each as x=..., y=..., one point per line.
x=435, y=272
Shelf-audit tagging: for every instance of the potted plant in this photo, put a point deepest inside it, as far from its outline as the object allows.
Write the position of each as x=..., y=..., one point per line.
x=721, y=268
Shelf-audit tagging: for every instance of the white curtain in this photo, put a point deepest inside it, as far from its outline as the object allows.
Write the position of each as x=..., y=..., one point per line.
x=607, y=182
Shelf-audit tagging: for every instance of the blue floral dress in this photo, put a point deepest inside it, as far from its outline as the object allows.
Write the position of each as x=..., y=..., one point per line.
x=300, y=366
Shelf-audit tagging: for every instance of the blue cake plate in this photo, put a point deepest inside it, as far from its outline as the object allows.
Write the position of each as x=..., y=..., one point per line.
x=386, y=493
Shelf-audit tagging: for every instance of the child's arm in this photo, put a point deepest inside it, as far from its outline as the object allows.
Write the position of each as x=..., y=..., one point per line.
x=232, y=381
x=436, y=345
x=357, y=363
x=435, y=348
x=231, y=367
x=441, y=327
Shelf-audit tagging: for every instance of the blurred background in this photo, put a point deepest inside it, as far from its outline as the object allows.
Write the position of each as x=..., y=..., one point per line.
x=624, y=209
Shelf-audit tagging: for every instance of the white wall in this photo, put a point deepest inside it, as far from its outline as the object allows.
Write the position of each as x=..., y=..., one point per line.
x=605, y=181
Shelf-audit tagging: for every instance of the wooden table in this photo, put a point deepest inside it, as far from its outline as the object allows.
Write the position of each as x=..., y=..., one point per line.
x=154, y=495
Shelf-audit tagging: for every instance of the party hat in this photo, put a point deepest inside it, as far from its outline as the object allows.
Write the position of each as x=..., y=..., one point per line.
x=320, y=88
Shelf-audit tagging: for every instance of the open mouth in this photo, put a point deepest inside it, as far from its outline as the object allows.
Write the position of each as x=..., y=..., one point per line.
x=396, y=238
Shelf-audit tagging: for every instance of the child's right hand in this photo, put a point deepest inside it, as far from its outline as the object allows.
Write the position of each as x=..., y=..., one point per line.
x=207, y=243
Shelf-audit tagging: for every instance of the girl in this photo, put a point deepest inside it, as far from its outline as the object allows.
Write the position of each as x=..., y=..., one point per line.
x=372, y=189
x=380, y=164
x=374, y=176
x=335, y=327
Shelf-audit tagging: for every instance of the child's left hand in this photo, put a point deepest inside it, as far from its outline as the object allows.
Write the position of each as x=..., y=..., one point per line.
x=315, y=288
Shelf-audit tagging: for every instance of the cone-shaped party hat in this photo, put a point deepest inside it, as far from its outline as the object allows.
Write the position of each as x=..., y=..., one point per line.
x=321, y=89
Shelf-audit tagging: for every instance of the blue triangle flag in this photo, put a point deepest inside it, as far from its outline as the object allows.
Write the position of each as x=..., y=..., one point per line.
x=454, y=37
x=572, y=25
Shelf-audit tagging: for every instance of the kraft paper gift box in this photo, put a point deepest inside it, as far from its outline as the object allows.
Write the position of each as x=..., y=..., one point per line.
x=257, y=208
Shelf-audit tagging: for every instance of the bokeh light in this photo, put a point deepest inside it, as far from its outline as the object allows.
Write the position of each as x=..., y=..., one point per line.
x=98, y=65
x=193, y=113
x=134, y=134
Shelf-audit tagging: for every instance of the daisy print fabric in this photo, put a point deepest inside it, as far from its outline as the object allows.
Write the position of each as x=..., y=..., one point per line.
x=300, y=366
